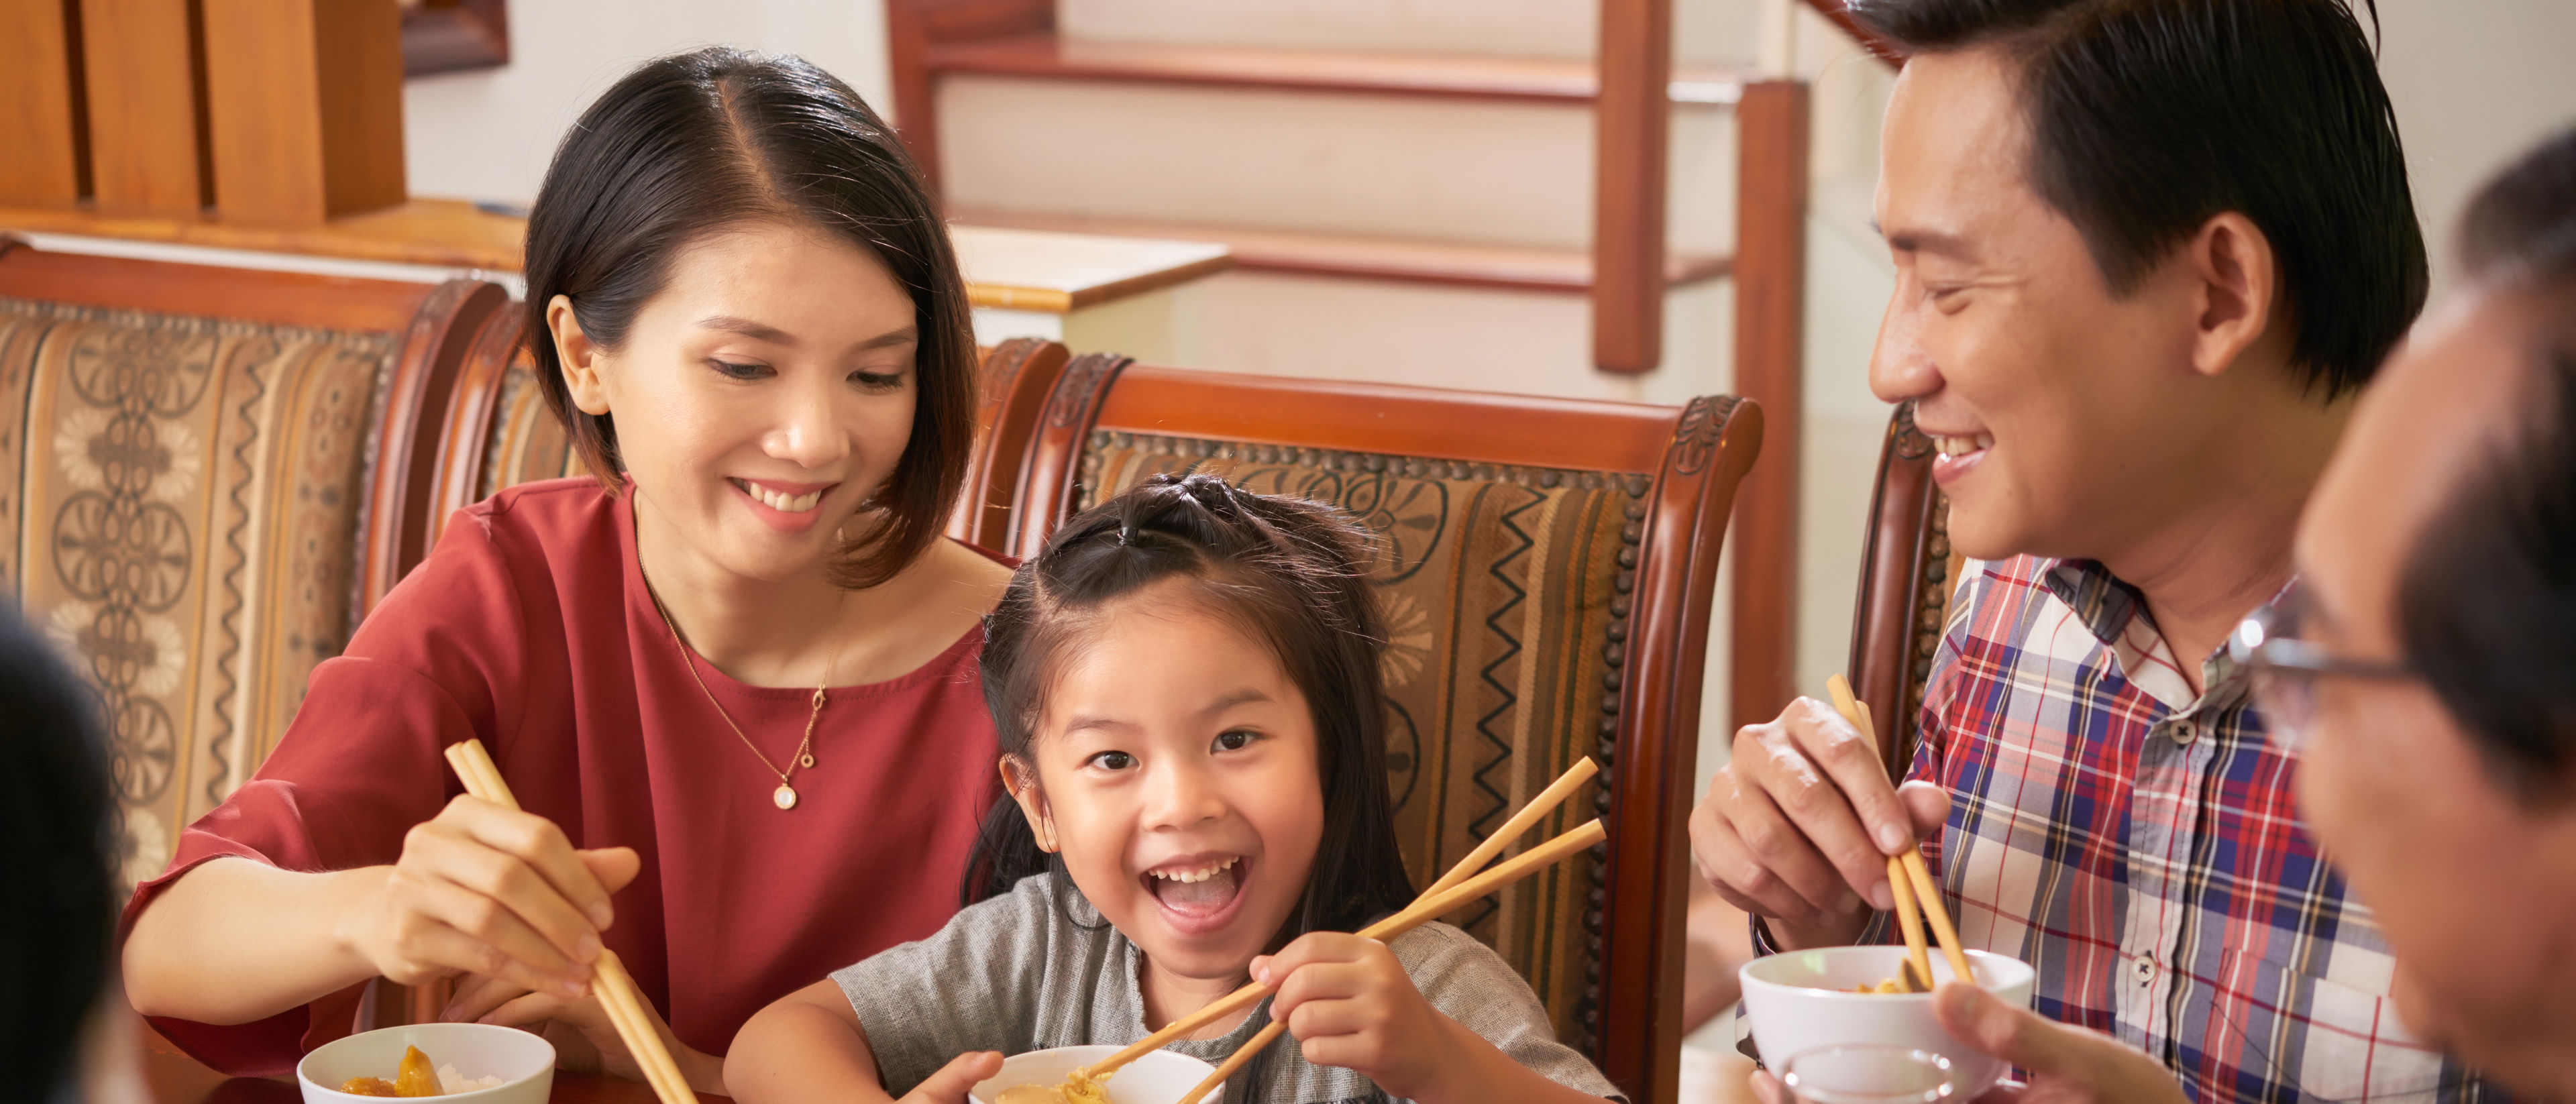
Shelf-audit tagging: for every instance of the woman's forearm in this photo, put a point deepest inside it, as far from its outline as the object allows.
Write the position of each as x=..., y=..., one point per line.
x=235, y=940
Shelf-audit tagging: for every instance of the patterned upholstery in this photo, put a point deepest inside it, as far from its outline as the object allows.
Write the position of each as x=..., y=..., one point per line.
x=1505, y=595
x=528, y=442
x=182, y=499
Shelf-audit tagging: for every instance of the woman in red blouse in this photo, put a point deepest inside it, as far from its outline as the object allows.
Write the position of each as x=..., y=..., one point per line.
x=745, y=307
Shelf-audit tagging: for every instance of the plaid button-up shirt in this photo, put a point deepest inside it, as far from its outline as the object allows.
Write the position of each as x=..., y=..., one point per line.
x=2142, y=848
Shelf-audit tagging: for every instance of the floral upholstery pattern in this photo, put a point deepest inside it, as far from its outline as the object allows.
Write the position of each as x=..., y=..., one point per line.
x=181, y=500
x=1505, y=595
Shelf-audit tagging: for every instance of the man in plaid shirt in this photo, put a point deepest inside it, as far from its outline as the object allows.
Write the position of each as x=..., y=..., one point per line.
x=2147, y=252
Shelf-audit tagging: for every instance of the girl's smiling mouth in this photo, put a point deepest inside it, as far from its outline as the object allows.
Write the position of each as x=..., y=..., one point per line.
x=1199, y=894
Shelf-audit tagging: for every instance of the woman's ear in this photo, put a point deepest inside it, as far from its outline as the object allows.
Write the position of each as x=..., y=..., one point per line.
x=2239, y=289
x=578, y=356
x=1022, y=780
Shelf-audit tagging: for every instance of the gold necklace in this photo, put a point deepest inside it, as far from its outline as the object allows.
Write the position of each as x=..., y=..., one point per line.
x=785, y=795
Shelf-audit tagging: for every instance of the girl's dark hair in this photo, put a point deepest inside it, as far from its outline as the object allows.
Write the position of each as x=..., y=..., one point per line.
x=691, y=144
x=57, y=865
x=1289, y=571
x=2486, y=606
x=2148, y=117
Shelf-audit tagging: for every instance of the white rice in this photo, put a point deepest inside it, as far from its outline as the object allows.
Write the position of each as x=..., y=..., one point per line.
x=451, y=1084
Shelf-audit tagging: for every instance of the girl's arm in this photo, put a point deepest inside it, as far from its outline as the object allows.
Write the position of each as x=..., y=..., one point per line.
x=1350, y=1004
x=810, y=1046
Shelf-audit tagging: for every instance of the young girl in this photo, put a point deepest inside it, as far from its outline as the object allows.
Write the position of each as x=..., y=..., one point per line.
x=1185, y=684
x=742, y=302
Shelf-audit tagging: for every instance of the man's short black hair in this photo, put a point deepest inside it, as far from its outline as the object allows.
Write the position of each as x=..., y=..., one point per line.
x=2487, y=605
x=57, y=891
x=2149, y=117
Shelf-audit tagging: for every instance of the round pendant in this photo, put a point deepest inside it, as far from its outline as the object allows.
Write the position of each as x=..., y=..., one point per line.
x=808, y=761
x=784, y=796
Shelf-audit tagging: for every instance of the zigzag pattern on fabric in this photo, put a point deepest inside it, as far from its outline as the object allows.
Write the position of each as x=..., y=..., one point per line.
x=244, y=477
x=1483, y=825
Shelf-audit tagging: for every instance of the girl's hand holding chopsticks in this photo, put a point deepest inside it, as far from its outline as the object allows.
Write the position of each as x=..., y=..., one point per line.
x=1350, y=1004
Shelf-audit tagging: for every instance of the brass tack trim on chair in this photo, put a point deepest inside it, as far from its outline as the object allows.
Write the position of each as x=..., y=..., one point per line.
x=1614, y=653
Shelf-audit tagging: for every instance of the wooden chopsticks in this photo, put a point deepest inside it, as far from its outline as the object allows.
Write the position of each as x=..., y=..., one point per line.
x=1457, y=887
x=1908, y=880
x=616, y=989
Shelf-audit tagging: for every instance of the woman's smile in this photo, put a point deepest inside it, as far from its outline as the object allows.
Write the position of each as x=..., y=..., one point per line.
x=786, y=507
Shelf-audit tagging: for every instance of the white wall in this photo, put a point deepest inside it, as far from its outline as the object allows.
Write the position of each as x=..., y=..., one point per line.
x=2474, y=82
x=487, y=134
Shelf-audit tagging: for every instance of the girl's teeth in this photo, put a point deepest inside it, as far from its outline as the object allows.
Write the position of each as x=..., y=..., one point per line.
x=1961, y=446
x=1193, y=875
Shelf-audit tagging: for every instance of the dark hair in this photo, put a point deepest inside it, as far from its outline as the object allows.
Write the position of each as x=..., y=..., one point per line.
x=2149, y=117
x=690, y=144
x=1291, y=572
x=57, y=839
x=2486, y=606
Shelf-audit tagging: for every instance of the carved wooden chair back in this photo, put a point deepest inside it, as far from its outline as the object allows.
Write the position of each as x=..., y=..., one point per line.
x=207, y=475
x=1907, y=577
x=1545, y=567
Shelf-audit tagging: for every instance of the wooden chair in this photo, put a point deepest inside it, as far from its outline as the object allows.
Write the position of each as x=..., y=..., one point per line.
x=1545, y=567
x=1907, y=577
x=207, y=475
x=498, y=432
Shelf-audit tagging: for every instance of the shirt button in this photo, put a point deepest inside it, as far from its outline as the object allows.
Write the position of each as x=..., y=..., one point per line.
x=2186, y=731
x=2146, y=969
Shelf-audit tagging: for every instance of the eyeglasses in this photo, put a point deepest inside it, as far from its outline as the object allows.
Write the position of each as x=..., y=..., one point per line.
x=2285, y=670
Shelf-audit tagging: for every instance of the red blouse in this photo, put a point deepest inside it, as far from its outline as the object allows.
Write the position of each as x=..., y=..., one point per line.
x=529, y=627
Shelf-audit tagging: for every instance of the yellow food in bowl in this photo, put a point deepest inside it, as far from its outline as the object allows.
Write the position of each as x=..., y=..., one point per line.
x=414, y=1077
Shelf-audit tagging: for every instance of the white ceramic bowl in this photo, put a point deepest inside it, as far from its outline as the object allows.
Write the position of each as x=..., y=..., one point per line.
x=1160, y=1077
x=524, y=1061
x=1796, y=1003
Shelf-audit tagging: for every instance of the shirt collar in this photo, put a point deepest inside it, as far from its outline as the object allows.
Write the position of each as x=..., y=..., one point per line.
x=2106, y=606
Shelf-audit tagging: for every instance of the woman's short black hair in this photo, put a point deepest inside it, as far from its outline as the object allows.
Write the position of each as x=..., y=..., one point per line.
x=1291, y=573
x=691, y=144
x=2149, y=117
x=2486, y=607
x=57, y=875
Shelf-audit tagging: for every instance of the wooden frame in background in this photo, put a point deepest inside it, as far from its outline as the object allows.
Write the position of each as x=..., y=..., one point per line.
x=447, y=36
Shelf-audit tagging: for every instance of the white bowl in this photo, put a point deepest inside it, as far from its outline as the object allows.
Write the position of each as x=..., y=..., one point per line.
x=1798, y=1001
x=1160, y=1077
x=525, y=1061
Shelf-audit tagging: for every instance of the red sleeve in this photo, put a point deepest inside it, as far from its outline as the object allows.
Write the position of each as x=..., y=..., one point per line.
x=361, y=764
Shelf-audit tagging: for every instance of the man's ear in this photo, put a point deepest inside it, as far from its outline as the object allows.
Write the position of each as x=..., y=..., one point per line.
x=578, y=356
x=2237, y=285
x=1021, y=780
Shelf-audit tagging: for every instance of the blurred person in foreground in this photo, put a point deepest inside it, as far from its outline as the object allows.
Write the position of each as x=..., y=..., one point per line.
x=2424, y=670
x=2147, y=254
x=61, y=1038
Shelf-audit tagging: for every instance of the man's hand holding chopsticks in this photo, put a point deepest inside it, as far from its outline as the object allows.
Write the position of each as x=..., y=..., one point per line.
x=485, y=890
x=1798, y=826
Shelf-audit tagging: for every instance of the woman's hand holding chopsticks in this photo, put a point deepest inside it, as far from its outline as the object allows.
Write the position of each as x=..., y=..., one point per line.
x=485, y=890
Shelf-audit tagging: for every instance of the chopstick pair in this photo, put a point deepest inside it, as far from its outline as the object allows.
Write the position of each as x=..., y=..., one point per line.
x=1908, y=880
x=616, y=988
x=1451, y=890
